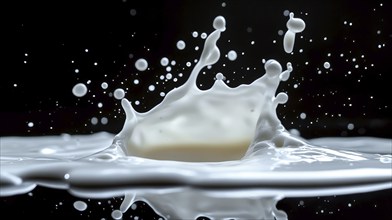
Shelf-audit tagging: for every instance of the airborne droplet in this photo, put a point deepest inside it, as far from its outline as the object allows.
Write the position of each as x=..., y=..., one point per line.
x=79, y=90
x=141, y=64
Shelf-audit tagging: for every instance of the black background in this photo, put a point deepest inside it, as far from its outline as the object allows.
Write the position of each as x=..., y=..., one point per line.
x=44, y=42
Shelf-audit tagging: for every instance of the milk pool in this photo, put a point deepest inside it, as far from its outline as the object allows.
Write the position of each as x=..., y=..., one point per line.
x=279, y=164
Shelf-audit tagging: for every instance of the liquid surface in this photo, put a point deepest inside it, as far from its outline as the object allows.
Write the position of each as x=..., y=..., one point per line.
x=268, y=164
x=326, y=166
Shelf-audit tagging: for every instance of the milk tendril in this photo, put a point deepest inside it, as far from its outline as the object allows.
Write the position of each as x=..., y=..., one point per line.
x=253, y=161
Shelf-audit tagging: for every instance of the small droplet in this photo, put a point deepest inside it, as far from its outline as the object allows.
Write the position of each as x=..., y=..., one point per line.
x=117, y=214
x=151, y=88
x=79, y=90
x=104, y=120
x=195, y=34
x=119, y=93
x=141, y=64
x=169, y=76
x=219, y=23
x=80, y=205
x=94, y=120
x=133, y=12
x=164, y=61
x=232, y=55
x=180, y=45
x=104, y=85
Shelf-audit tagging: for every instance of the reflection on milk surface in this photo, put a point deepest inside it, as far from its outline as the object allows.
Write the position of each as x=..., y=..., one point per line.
x=220, y=152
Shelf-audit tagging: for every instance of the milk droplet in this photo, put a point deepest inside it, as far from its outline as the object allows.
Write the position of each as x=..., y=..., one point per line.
x=94, y=120
x=164, y=61
x=219, y=23
x=119, y=93
x=169, y=76
x=80, y=205
x=302, y=115
x=180, y=44
x=195, y=34
x=288, y=41
x=79, y=90
x=116, y=214
x=294, y=25
x=30, y=124
x=327, y=65
x=104, y=85
x=141, y=64
x=232, y=55
x=104, y=120
x=168, y=68
x=151, y=88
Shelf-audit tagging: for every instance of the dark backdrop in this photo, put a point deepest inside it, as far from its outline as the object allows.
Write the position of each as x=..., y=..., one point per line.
x=50, y=46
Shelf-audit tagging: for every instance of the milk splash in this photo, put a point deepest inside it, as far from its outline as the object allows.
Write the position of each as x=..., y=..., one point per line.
x=191, y=124
x=255, y=161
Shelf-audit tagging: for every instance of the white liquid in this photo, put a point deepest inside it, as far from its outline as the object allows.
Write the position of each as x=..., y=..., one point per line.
x=327, y=65
x=232, y=55
x=79, y=90
x=119, y=93
x=164, y=61
x=260, y=161
x=294, y=25
x=141, y=64
x=181, y=45
x=80, y=205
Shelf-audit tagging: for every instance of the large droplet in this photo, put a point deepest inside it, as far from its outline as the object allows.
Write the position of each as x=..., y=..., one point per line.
x=232, y=55
x=119, y=93
x=295, y=25
x=219, y=23
x=180, y=45
x=141, y=64
x=288, y=41
x=80, y=205
x=79, y=90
